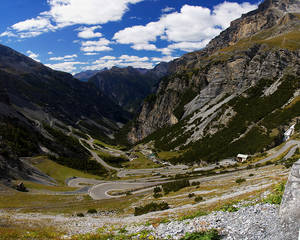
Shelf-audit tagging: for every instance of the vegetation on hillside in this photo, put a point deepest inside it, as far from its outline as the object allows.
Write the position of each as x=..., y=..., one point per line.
x=264, y=111
x=151, y=207
x=71, y=153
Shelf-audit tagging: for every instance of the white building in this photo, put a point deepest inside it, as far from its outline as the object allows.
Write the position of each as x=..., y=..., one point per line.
x=289, y=133
x=242, y=157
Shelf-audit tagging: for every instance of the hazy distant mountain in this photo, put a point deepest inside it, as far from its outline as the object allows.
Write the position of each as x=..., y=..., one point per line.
x=86, y=75
x=128, y=87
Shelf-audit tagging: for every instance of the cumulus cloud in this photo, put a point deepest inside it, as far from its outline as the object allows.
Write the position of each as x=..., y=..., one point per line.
x=66, y=57
x=188, y=46
x=65, y=66
x=122, y=61
x=163, y=59
x=88, y=32
x=33, y=55
x=127, y=58
x=96, y=46
x=64, y=13
x=202, y=23
x=168, y=9
x=90, y=54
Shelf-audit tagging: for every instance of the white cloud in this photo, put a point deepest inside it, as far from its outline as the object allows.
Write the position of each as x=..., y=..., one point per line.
x=127, y=58
x=189, y=29
x=168, y=9
x=108, y=58
x=50, y=53
x=122, y=61
x=33, y=55
x=140, y=34
x=64, y=13
x=65, y=66
x=188, y=46
x=8, y=34
x=88, y=32
x=144, y=46
x=67, y=57
x=31, y=27
x=163, y=59
x=96, y=46
x=90, y=54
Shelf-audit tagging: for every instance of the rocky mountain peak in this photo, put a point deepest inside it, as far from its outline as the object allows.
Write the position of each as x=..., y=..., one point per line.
x=266, y=16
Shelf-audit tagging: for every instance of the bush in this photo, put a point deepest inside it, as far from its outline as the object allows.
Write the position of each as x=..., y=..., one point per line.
x=229, y=208
x=92, y=211
x=21, y=188
x=157, y=190
x=80, y=215
x=175, y=186
x=195, y=183
x=151, y=207
x=198, y=199
x=157, y=195
x=191, y=195
x=251, y=175
x=276, y=196
x=209, y=235
x=240, y=180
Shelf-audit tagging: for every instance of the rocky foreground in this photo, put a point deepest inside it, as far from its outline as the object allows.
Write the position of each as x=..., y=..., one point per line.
x=256, y=222
x=251, y=222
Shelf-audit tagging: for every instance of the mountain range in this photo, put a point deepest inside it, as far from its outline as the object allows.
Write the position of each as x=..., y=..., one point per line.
x=233, y=96
x=238, y=94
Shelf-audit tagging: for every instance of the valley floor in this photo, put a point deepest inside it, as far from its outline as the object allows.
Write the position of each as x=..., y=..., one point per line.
x=233, y=198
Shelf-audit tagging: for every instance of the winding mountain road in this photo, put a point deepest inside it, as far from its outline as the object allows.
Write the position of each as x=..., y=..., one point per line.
x=100, y=189
x=293, y=144
x=96, y=157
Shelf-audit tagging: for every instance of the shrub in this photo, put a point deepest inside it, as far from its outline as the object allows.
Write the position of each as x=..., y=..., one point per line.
x=157, y=195
x=276, y=196
x=128, y=193
x=251, y=175
x=21, y=188
x=92, y=211
x=198, y=199
x=151, y=207
x=268, y=162
x=175, y=186
x=80, y=215
x=209, y=235
x=229, y=208
x=240, y=180
x=191, y=195
x=195, y=183
x=157, y=190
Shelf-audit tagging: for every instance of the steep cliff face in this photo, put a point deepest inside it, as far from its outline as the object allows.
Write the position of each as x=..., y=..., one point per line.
x=263, y=44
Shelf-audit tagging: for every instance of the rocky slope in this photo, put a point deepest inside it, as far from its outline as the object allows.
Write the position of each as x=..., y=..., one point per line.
x=128, y=87
x=197, y=100
x=38, y=106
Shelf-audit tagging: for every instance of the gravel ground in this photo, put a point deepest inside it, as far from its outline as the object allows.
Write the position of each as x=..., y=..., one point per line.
x=258, y=222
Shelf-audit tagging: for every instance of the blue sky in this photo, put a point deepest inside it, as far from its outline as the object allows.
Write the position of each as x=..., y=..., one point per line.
x=77, y=35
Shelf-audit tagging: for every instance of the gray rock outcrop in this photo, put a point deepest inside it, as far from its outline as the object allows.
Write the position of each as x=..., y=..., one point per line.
x=290, y=205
